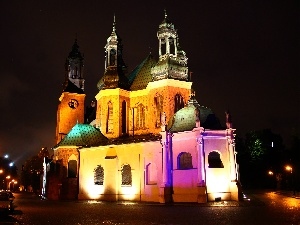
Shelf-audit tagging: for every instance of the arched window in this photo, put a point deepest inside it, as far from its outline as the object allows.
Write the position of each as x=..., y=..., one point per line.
x=126, y=175
x=163, y=46
x=124, y=117
x=72, y=169
x=172, y=45
x=214, y=160
x=179, y=103
x=140, y=117
x=185, y=161
x=98, y=175
x=158, y=102
x=112, y=57
x=110, y=121
x=151, y=174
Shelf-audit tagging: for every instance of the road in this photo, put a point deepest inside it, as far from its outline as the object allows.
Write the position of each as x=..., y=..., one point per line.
x=263, y=208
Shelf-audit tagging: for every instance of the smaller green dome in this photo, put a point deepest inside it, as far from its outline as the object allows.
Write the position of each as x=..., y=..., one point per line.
x=83, y=135
x=185, y=118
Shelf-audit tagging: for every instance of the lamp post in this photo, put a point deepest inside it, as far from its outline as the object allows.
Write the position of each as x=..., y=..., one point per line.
x=290, y=169
x=7, y=183
x=2, y=181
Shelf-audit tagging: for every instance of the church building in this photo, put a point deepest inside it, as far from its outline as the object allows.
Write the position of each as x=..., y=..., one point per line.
x=145, y=138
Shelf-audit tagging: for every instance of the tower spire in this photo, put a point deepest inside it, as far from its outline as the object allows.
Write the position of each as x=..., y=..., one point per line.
x=114, y=23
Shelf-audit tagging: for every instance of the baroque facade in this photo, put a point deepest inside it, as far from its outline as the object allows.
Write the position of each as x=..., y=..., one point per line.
x=146, y=138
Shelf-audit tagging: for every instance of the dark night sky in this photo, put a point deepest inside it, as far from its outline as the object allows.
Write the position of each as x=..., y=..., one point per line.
x=244, y=56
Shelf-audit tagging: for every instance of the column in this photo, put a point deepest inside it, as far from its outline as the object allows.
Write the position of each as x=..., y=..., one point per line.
x=200, y=162
x=232, y=160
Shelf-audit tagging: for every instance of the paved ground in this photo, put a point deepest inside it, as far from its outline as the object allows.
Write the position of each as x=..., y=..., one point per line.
x=259, y=208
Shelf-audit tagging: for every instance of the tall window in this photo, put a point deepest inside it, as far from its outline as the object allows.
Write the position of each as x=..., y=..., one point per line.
x=112, y=57
x=124, y=117
x=72, y=168
x=172, y=46
x=140, y=117
x=179, y=103
x=214, y=160
x=158, y=102
x=126, y=175
x=163, y=46
x=98, y=175
x=151, y=174
x=110, y=121
x=185, y=161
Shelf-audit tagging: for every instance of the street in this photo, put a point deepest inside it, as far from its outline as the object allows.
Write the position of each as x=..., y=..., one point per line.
x=262, y=208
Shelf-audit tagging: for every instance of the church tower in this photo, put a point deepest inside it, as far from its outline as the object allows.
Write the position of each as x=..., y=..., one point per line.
x=113, y=96
x=71, y=102
x=115, y=68
x=170, y=86
x=172, y=59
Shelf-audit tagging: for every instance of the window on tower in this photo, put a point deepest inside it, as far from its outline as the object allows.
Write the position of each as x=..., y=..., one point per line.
x=179, y=103
x=163, y=46
x=110, y=122
x=124, y=117
x=112, y=57
x=158, y=102
x=172, y=46
x=140, y=119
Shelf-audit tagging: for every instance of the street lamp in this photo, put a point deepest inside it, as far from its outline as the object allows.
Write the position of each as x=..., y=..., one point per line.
x=7, y=178
x=290, y=169
x=270, y=172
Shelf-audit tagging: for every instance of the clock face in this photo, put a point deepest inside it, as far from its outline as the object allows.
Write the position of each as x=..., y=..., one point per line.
x=73, y=103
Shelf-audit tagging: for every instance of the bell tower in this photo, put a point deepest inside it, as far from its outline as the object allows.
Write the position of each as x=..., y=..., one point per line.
x=113, y=98
x=170, y=86
x=115, y=68
x=71, y=102
x=172, y=63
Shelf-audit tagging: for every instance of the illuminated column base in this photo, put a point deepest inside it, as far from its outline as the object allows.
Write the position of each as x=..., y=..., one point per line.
x=165, y=194
x=235, y=191
x=202, y=197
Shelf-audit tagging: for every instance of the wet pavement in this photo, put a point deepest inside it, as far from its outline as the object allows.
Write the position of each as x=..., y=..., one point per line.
x=259, y=207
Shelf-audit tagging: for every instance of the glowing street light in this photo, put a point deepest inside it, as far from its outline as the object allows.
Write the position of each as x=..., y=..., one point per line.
x=270, y=172
x=289, y=168
x=11, y=164
x=6, y=156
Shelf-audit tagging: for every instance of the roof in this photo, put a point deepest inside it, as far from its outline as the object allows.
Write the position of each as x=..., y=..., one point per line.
x=75, y=53
x=72, y=88
x=185, y=118
x=141, y=75
x=83, y=135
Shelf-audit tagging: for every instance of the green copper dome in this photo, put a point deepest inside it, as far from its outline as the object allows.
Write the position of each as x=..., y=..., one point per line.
x=83, y=135
x=185, y=118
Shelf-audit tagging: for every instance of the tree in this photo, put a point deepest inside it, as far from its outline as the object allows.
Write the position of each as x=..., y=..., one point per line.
x=33, y=169
x=259, y=152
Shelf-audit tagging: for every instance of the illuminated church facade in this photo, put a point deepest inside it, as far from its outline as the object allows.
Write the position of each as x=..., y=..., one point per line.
x=146, y=138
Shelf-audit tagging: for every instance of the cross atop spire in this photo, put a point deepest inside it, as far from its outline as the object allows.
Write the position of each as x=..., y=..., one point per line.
x=114, y=24
x=165, y=14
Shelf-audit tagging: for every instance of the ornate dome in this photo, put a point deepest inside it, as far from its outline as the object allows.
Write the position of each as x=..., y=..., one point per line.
x=185, y=118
